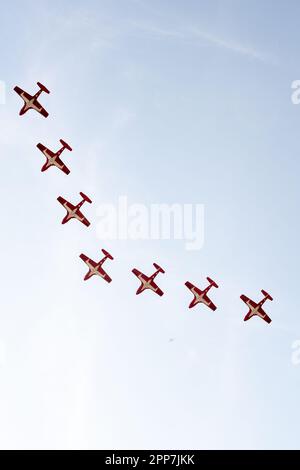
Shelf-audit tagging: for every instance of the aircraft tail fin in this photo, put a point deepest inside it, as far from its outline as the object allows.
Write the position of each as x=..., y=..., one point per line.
x=158, y=268
x=108, y=255
x=213, y=283
x=42, y=87
x=266, y=295
x=65, y=145
x=86, y=198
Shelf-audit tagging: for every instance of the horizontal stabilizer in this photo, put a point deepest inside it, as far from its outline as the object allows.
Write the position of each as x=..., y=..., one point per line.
x=42, y=87
x=266, y=295
x=158, y=268
x=86, y=198
x=108, y=255
x=65, y=145
x=213, y=283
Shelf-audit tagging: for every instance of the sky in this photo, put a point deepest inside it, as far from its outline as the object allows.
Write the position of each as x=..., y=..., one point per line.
x=162, y=102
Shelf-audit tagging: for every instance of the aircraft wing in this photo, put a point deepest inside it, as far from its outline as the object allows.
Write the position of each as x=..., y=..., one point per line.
x=23, y=94
x=264, y=316
x=88, y=260
x=62, y=166
x=248, y=301
x=137, y=272
x=104, y=275
x=191, y=286
x=210, y=304
x=158, y=291
x=261, y=314
x=40, y=109
x=44, y=149
x=83, y=219
x=64, y=203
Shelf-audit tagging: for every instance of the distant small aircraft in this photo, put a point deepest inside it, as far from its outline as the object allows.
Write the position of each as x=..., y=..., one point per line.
x=73, y=212
x=31, y=101
x=256, y=308
x=53, y=158
x=200, y=296
x=147, y=282
x=95, y=269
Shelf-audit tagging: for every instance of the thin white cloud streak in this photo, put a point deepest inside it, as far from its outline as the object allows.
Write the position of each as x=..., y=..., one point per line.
x=156, y=31
x=231, y=46
x=197, y=35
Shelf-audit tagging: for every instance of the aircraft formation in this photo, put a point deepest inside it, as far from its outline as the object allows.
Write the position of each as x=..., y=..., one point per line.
x=95, y=268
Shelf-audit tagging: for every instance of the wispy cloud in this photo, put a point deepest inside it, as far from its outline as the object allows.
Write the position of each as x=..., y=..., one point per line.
x=233, y=46
x=156, y=30
x=196, y=36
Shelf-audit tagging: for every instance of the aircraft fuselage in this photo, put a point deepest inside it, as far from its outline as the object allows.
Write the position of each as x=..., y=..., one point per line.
x=200, y=297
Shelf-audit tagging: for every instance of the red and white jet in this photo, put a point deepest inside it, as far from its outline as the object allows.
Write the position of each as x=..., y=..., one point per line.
x=147, y=282
x=256, y=308
x=200, y=296
x=31, y=101
x=53, y=158
x=73, y=212
x=95, y=269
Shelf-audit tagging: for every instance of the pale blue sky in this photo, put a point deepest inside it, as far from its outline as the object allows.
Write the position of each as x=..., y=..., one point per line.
x=182, y=101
